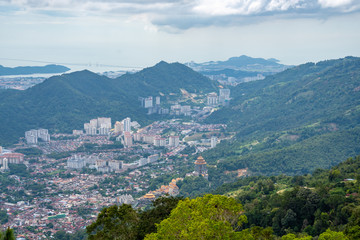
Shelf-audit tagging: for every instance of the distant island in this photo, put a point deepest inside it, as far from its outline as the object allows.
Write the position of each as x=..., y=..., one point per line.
x=26, y=70
x=240, y=69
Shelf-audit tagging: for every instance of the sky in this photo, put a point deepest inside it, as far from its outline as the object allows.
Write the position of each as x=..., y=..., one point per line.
x=140, y=33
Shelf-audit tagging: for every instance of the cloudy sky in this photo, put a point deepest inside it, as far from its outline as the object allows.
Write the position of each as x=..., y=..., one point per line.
x=140, y=33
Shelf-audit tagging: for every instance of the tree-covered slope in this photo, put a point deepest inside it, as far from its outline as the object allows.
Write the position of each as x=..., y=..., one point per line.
x=309, y=204
x=301, y=95
x=294, y=121
x=62, y=103
x=165, y=78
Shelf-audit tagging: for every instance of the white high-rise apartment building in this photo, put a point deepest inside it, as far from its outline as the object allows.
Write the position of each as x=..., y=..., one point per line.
x=76, y=162
x=225, y=93
x=99, y=126
x=148, y=102
x=119, y=127
x=213, y=141
x=127, y=124
x=33, y=136
x=174, y=141
x=212, y=99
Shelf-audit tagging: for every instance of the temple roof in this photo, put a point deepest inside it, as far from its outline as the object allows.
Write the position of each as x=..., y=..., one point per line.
x=200, y=161
x=149, y=196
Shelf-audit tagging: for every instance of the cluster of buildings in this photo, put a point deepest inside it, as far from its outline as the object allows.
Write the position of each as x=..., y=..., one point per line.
x=151, y=106
x=150, y=159
x=122, y=126
x=98, y=126
x=178, y=109
x=172, y=189
x=7, y=157
x=157, y=140
x=213, y=99
x=33, y=136
x=101, y=165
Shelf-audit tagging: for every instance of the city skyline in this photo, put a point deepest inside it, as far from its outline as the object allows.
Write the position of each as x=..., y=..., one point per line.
x=137, y=34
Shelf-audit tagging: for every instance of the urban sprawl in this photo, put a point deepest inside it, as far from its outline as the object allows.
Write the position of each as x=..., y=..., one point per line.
x=76, y=175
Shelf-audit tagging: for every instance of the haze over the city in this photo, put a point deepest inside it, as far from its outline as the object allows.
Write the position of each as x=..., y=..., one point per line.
x=141, y=33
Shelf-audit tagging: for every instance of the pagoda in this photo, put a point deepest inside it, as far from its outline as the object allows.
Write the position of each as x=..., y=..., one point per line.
x=200, y=167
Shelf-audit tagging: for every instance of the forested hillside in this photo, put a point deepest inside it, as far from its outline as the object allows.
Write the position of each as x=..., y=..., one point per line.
x=303, y=204
x=324, y=205
x=66, y=102
x=293, y=122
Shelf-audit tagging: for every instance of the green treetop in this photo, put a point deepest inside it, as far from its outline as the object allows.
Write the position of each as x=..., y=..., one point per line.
x=208, y=217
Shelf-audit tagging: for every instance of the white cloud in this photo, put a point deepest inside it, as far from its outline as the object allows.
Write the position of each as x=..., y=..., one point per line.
x=334, y=3
x=183, y=14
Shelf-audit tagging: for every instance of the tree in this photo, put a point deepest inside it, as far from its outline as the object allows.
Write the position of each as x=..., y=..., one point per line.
x=292, y=236
x=255, y=233
x=61, y=235
x=208, y=217
x=161, y=210
x=331, y=235
x=3, y=217
x=115, y=222
x=9, y=234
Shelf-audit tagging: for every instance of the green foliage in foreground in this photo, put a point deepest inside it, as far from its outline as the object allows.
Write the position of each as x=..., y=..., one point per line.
x=322, y=206
x=7, y=235
x=208, y=217
x=123, y=222
x=308, y=204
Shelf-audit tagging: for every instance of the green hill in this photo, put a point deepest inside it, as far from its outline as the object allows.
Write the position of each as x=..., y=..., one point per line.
x=32, y=70
x=62, y=103
x=294, y=121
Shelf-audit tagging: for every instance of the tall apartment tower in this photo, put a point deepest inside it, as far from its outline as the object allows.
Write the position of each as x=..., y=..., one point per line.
x=225, y=93
x=148, y=102
x=119, y=127
x=99, y=126
x=128, y=141
x=33, y=136
x=44, y=135
x=127, y=124
x=212, y=99
x=157, y=100
x=213, y=141
x=174, y=141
